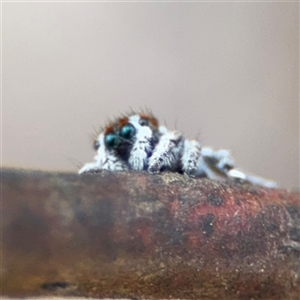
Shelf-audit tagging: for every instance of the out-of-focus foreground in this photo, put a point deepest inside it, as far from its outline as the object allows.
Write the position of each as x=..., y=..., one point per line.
x=132, y=235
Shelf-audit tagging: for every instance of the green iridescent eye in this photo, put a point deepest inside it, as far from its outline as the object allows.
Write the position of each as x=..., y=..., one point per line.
x=127, y=131
x=111, y=141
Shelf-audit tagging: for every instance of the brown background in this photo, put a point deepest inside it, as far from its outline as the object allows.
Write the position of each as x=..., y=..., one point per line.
x=227, y=73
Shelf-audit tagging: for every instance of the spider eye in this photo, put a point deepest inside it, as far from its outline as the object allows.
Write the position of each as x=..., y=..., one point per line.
x=96, y=145
x=127, y=131
x=143, y=122
x=111, y=141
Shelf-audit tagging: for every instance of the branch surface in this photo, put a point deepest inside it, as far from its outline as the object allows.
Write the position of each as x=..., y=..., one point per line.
x=131, y=234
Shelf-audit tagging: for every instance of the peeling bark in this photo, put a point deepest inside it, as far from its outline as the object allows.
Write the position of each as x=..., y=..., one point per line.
x=131, y=234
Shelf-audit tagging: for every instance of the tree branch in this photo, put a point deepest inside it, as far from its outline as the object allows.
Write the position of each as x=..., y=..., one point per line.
x=133, y=234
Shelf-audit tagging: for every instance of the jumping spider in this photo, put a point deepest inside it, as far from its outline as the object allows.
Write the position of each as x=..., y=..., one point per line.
x=137, y=142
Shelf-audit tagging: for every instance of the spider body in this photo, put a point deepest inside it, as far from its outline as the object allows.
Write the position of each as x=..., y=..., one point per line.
x=137, y=142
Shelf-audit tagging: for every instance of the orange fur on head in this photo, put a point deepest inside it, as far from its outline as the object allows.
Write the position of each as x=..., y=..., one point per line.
x=123, y=121
x=109, y=129
x=150, y=118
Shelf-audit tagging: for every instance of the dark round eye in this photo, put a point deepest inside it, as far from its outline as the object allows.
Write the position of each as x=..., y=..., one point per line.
x=143, y=122
x=96, y=145
x=111, y=141
x=127, y=131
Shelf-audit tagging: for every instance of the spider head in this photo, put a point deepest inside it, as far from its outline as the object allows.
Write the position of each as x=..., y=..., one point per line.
x=127, y=133
x=118, y=137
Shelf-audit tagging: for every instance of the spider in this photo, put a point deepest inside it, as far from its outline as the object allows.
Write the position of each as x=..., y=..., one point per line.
x=136, y=141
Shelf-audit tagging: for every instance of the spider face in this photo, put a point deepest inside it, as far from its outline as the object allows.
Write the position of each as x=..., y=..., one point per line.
x=129, y=140
x=137, y=142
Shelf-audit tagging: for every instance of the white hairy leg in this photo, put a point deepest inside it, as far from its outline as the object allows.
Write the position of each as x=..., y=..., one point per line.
x=103, y=160
x=216, y=163
x=167, y=152
x=190, y=157
x=138, y=158
x=89, y=168
x=238, y=175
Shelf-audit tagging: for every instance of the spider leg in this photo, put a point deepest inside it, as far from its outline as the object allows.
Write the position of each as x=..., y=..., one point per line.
x=190, y=157
x=219, y=164
x=103, y=160
x=142, y=146
x=240, y=176
x=220, y=160
x=108, y=162
x=214, y=164
x=89, y=168
x=167, y=152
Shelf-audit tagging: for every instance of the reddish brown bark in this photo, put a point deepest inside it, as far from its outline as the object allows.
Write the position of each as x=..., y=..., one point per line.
x=138, y=235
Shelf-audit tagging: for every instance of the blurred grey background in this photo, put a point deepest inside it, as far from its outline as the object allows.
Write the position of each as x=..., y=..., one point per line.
x=226, y=73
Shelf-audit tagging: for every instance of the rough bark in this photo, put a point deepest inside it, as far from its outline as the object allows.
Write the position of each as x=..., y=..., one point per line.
x=135, y=235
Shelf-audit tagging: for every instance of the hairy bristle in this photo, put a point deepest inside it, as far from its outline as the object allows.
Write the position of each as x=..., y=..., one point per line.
x=123, y=121
x=109, y=129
